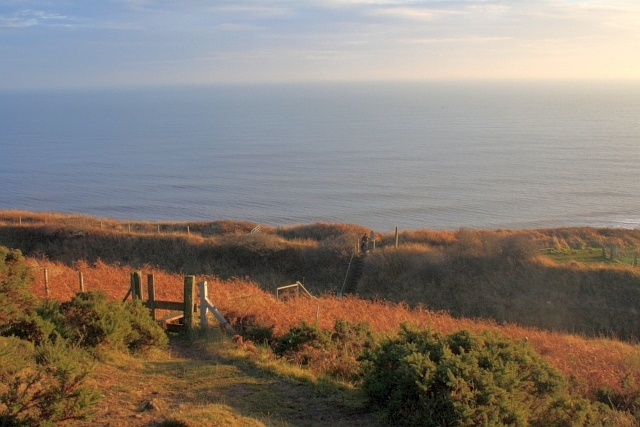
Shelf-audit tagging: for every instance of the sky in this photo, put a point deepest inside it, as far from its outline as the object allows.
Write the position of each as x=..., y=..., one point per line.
x=93, y=44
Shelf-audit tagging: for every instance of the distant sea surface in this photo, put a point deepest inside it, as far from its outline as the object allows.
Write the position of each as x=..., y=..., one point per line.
x=439, y=156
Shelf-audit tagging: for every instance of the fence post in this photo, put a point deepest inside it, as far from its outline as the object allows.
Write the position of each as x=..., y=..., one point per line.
x=46, y=282
x=81, y=280
x=151, y=295
x=204, y=294
x=136, y=285
x=396, y=237
x=189, y=300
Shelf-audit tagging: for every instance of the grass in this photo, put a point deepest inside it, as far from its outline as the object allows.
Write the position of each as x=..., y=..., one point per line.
x=500, y=278
x=595, y=362
x=624, y=255
x=210, y=381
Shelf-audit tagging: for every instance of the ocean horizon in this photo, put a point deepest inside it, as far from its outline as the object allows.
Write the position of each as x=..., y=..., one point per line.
x=383, y=155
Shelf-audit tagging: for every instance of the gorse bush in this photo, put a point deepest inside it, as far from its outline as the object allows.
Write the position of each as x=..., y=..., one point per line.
x=424, y=378
x=89, y=320
x=16, y=302
x=332, y=352
x=145, y=332
x=43, y=385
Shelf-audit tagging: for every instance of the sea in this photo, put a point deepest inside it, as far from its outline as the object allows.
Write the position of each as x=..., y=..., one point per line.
x=436, y=155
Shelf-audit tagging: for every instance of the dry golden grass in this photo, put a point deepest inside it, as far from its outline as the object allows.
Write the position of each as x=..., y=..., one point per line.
x=594, y=362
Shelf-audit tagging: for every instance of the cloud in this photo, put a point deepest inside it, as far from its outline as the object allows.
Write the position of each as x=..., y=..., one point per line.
x=29, y=18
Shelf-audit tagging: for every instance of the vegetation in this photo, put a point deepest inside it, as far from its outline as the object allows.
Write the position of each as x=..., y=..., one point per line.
x=43, y=369
x=422, y=378
x=330, y=352
x=345, y=353
x=556, y=279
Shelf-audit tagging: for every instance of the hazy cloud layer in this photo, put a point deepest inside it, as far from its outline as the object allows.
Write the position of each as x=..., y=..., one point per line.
x=123, y=42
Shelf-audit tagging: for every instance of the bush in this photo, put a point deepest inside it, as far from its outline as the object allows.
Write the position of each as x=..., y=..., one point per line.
x=89, y=321
x=145, y=332
x=305, y=335
x=423, y=378
x=331, y=352
x=16, y=302
x=42, y=385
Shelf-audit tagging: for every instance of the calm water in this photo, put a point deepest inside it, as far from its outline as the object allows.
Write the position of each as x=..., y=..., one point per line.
x=412, y=156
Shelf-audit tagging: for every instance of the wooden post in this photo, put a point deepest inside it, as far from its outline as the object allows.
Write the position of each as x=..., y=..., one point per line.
x=188, y=231
x=20, y=220
x=204, y=294
x=129, y=228
x=46, y=282
x=136, y=285
x=396, y=237
x=151, y=295
x=189, y=300
x=158, y=228
x=81, y=280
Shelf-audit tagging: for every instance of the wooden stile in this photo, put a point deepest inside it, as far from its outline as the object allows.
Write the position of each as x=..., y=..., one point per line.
x=136, y=285
x=189, y=301
x=151, y=293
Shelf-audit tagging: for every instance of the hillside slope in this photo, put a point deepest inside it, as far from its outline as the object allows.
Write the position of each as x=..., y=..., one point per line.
x=554, y=279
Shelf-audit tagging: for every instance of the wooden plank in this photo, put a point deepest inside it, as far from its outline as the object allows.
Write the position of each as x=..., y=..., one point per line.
x=171, y=318
x=127, y=295
x=166, y=305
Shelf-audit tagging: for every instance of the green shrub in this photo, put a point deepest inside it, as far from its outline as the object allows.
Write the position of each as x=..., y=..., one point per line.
x=16, y=302
x=145, y=332
x=330, y=352
x=303, y=335
x=32, y=328
x=89, y=320
x=43, y=385
x=423, y=378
